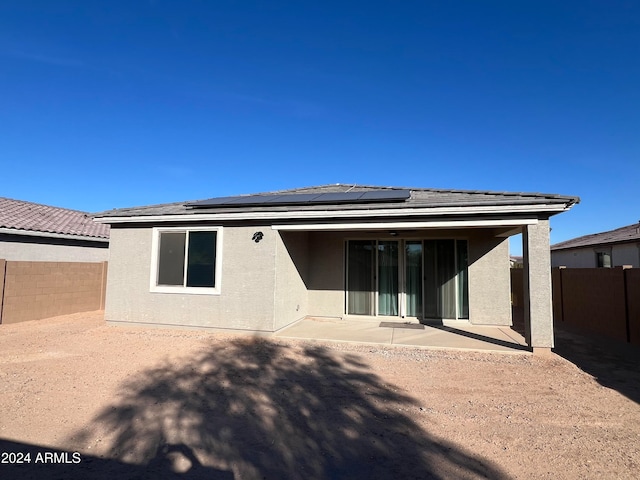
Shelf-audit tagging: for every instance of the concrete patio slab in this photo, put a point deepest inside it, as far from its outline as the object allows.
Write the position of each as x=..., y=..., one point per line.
x=463, y=337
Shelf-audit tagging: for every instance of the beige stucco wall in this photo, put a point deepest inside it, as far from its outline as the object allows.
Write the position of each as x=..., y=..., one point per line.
x=626, y=254
x=286, y=276
x=578, y=258
x=326, y=274
x=43, y=252
x=623, y=254
x=292, y=265
x=538, y=309
x=489, y=279
x=246, y=301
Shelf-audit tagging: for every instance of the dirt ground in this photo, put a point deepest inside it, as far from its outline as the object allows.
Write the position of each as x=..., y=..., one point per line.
x=86, y=400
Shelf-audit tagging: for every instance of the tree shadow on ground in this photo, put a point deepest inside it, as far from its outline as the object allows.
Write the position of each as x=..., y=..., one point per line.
x=612, y=363
x=249, y=409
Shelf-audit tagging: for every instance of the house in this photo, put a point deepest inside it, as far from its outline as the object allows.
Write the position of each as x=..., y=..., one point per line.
x=613, y=248
x=34, y=232
x=516, y=261
x=261, y=262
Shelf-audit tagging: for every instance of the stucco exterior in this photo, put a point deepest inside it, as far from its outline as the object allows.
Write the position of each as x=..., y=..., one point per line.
x=538, y=308
x=613, y=248
x=586, y=257
x=247, y=284
x=270, y=284
x=326, y=274
x=412, y=254
x=489, y=279
x=489, y=302
x=291, y=298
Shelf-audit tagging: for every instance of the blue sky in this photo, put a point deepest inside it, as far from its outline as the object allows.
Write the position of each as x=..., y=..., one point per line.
x=108, y=104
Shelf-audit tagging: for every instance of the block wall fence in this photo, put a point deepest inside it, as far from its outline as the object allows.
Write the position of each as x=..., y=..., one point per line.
x=601, y=301
x=36, y=290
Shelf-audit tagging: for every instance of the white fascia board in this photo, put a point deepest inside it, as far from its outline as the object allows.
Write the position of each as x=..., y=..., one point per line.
x=32, y=233
x=337, y=214
x=401, y=225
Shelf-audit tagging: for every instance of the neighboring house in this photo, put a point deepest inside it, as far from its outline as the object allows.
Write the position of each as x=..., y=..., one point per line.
x=261, y=262
x=607, y=249
x=34, y=232
x=516, y=261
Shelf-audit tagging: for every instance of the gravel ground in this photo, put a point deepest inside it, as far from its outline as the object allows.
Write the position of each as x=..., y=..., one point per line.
x=86, y=400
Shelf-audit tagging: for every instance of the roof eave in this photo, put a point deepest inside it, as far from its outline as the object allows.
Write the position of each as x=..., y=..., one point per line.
x=33, y=233
x=537, y=209
x=595, y=244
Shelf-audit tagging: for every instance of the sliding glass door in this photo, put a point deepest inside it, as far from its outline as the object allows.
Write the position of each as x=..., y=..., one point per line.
x=462, y=262
x=360, y=277
x=388, y=281
x=440, y=279
x=425, y=279
x=413, y=278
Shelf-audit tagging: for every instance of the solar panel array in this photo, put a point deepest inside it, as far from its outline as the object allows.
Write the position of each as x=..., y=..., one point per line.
x=371, y=196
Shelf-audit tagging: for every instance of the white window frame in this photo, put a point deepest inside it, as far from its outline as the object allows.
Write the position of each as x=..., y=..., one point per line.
x=155, y=246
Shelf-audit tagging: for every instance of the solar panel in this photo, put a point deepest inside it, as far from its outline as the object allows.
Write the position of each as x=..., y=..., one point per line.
x=339, y=197
x=296, y=198
x=370, y=196
x=380, y=195
x=256, y=199
x=213, y=201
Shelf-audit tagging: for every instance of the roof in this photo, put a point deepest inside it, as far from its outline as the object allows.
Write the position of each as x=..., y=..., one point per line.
x=630, y=233
x=419, y=198
x=20, y=217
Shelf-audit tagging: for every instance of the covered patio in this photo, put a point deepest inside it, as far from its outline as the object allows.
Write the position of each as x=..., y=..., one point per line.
x=501, y=339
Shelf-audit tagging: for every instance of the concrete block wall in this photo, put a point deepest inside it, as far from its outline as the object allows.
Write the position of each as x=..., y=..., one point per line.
x=602, y=301
x=35, y=290
x=633, y=304
x=594, y=299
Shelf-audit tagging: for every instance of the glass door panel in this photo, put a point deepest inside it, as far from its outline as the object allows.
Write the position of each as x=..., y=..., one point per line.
x=447, y=278
x=360, y=277
x=431, y=309
x=440, y=278
x=388, y=278
x=428, y=279
x=413, y=278
x=463, y=279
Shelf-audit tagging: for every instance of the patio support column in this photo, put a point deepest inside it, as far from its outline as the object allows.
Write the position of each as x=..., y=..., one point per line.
x=538, y=308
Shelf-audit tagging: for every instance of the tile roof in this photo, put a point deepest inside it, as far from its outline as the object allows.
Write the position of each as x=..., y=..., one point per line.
x=420, y=198
x=33, y=217
x=630, y=233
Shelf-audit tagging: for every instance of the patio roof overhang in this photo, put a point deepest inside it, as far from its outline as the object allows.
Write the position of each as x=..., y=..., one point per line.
x=511, y=224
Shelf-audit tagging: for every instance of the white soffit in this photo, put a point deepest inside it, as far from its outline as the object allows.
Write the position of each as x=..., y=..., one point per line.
x=336, y=214
x=401, y=225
